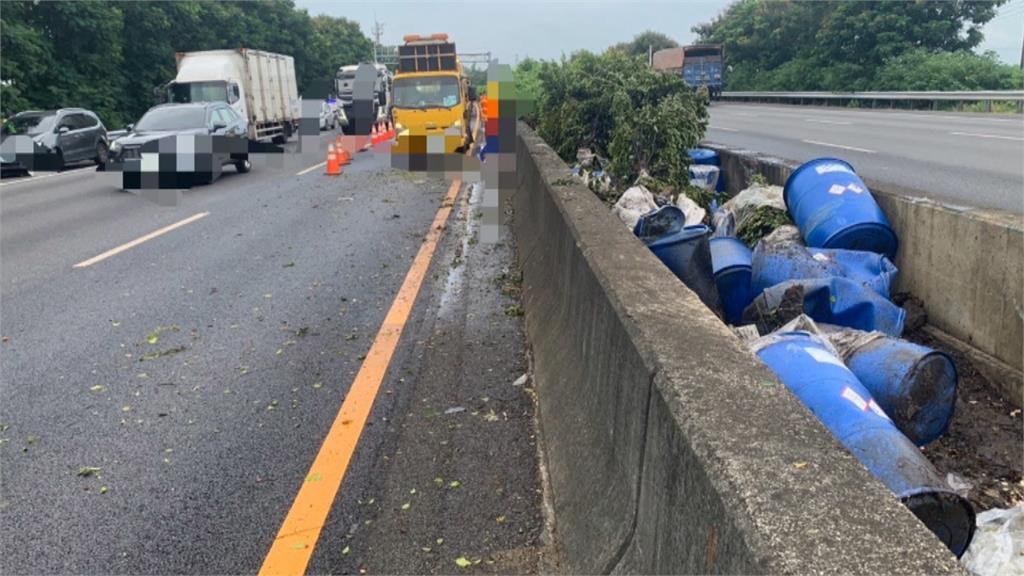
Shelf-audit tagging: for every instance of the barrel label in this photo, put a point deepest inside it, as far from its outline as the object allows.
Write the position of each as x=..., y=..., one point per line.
x=862, y=404
x=833, y=167
x=839, y=189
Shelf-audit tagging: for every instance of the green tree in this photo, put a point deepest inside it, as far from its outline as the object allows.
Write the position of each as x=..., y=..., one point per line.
x=819, y=45
x=961, y=70
x=640, y=44
x=642, y=119
x=110, y=56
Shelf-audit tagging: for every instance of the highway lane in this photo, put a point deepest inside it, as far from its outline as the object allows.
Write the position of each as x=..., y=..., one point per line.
x=972, y=160
x=200, y=370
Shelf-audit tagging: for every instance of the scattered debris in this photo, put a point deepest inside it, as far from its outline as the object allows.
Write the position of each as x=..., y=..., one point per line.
x=87, y=471
x=634, y=203
x=998, y=544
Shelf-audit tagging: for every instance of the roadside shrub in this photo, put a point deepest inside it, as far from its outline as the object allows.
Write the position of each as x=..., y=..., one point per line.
x=614, y=104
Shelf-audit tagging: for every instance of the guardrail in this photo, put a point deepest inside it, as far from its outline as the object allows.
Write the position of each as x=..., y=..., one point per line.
x=933, y=96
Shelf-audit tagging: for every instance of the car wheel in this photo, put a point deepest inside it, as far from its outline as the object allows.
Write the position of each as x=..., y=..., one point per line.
x=243, y=166
x=102, y=154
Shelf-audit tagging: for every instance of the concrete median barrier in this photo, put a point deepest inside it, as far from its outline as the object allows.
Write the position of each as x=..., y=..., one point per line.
x=670, y=447
x=966, y=265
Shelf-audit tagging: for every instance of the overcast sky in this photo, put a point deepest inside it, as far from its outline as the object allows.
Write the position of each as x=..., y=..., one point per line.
x=514, y=29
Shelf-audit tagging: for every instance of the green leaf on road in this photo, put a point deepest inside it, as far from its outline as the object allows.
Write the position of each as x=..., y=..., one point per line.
x=86, y=471
x=345, y=551
x=153, y=338
x=454, y=484
x=406, y=506
x=98, y=388
x=461, y=562
x=103, y=489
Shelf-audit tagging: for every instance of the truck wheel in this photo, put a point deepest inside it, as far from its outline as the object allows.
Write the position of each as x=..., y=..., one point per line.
x=243, y=165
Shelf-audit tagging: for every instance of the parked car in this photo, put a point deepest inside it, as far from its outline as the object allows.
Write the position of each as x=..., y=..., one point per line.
x=63, y=137
x=217, y=122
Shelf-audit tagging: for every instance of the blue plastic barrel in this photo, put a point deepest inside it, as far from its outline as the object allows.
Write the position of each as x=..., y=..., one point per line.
x=836, y=301
x=834, y=208
x=709, y=157
x=773, y=263
x=730, y=259
x=915, y=385
x=684, y=249
x=835, y=395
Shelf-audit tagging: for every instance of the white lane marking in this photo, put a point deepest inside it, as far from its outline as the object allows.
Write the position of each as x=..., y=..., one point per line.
x=854, y=148
x=34, y=178
x=311, y=168
x=837, y=122
x=1016, y=138
x=723, y=128
x=140, y=240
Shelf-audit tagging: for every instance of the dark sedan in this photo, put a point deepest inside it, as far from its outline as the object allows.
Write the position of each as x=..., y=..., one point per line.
x=181, y=145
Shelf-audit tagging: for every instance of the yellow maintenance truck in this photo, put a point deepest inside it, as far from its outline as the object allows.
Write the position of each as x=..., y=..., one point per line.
x=431, y=96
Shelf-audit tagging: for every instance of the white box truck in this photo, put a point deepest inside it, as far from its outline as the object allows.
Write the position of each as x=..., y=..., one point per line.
x=259, y=85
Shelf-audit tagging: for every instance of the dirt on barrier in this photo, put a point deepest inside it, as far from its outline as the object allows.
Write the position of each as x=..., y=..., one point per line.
x=984, y=444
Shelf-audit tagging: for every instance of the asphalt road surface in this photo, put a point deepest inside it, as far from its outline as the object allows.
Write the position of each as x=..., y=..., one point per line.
x=161, y=406
x=974, y=160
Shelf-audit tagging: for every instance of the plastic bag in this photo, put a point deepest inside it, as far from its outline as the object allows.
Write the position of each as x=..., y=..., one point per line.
x=784, y=235
x=998, y=544
x=704, y=176
x=634, y=203
x=694, y=213
x=729, y=220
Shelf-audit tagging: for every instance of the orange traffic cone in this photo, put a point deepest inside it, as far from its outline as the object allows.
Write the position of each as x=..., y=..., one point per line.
x=344, y=158
x=333, y=166
x=375, y=135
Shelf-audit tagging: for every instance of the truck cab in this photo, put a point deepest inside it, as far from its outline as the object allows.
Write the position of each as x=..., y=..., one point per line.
x=259, y=86
x=431, y=93
x=213, y=76
x=344, y=84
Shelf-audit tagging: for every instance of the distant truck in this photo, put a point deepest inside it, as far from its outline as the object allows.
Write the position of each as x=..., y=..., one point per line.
x=259, y=85
x=699, y=65
x=344, y=84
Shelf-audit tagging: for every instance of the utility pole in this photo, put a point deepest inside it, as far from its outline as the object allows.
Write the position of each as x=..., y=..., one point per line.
x=378, y=30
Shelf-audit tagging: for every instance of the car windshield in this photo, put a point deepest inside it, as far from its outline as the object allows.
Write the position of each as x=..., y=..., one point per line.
x=172, y=119
x=186, y=92
x=31, y=123
x=426, y=92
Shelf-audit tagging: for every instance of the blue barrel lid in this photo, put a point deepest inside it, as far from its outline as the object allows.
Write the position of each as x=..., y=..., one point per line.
x=812, y=164
x=686, y=234
x=728, y=252
x=698, y=154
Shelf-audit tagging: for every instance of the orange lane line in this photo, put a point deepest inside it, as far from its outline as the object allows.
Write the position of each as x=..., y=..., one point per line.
x=295, y=541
